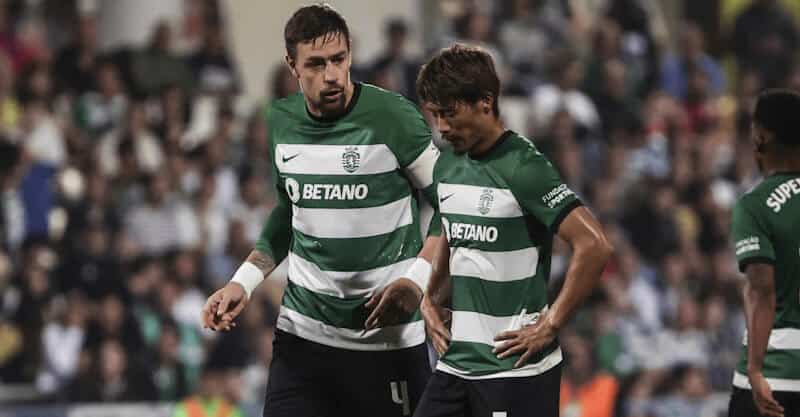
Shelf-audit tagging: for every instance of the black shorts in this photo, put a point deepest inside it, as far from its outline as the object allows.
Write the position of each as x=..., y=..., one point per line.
x=450, y=396
x=742, y=404
x=307, y=379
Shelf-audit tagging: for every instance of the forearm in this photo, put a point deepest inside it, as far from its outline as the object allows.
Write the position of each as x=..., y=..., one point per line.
x=438, y=289
x=586, y=266
x=262, y=261
x=759, y=304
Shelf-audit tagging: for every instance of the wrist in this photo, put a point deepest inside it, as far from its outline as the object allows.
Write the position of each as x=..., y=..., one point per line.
x=420, y=274
x=248, y=276
x=753, y=371
x=551, y=321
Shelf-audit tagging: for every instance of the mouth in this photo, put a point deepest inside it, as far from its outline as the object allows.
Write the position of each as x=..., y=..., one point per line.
x=332, y=96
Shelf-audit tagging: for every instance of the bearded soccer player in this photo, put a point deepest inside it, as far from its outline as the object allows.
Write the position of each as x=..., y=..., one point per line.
x=348, y=159
x=766, y=233
x=501, y=203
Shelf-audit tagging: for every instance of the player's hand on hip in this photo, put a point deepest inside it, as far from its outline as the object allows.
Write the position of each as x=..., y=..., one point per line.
x=222, y=307
x=762, y=396
x=526, y=341
x=436, y=319
x=393, y=303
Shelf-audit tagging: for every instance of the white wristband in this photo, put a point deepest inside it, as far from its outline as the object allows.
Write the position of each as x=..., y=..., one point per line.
x=420, y=273
x=249, y=276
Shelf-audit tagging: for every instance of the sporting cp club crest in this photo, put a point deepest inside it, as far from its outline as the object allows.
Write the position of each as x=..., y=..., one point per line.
x=351, y=159
x=485, y=202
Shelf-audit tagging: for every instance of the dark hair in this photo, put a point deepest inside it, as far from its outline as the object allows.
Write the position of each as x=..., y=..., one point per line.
x=311, y=22
x=776, y=111
x=459, y=74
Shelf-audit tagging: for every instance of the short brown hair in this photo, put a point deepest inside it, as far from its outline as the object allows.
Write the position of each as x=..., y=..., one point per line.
x=311, y=22
x=459, y=74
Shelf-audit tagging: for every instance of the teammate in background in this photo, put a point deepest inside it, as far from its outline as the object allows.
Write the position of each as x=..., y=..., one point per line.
x=766, y=233
x=501, y=202
x=348, y=159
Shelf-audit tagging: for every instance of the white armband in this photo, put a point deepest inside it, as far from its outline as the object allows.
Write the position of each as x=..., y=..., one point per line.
x=420, y=273
x=249, y=276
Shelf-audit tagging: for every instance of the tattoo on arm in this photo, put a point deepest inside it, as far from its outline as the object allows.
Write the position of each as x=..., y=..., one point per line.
x=261, y=260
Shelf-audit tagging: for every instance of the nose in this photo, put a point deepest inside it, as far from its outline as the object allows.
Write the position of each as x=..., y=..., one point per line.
x=441, y=125
x=331, y=73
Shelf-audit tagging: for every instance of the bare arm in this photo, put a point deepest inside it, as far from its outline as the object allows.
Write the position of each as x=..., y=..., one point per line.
x=591, y=251
x=759, y=309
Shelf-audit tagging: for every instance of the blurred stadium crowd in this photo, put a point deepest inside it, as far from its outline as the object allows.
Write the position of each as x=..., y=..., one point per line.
x=130, y=188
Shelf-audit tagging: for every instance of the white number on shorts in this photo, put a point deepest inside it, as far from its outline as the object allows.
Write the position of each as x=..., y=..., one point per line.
x=400, y=395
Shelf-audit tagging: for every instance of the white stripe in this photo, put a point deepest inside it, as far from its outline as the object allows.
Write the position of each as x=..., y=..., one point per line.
x=777, y=384
x=385, y=338
x=466, y=199
x=421, y=170
x=328, y=159
x=343, y=283
x=494, y=266
x=469, y=326
x=353, y=223
x=780, y=339
x=538, y=368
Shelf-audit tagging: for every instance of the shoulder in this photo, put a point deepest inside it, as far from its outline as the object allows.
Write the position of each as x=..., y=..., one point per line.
x=750, y=199
x=390, y=102
x=285, y=106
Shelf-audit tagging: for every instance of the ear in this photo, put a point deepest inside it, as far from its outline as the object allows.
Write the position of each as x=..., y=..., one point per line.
x=486, y=105
x=761, y=138
x=290, y=63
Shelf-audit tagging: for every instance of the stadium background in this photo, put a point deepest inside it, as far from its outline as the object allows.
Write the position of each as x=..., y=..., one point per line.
x=134, y=179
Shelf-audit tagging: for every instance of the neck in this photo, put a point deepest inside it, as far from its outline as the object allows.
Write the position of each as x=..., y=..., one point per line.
x=348, y=95
x=488, y=137
x=788, y=161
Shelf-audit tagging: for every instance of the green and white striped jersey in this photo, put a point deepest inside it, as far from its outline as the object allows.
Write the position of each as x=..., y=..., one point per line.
x=500, y=213
x=347, y=204
x=766, y=229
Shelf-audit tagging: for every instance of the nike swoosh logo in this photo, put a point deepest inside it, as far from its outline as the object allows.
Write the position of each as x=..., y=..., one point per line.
x=441, y=200
x=289, y=158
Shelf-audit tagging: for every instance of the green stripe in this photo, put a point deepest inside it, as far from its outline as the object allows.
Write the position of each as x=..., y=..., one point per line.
x=359, y=254
x=783, y=364
x=512, y=233
x=348, y=313
x=498, y=298
x=478, y=358
x=382, y=189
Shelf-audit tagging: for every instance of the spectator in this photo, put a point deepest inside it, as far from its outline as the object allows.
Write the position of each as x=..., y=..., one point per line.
x=674, y=68
x=147, y=152
x=214, y=70
x=160, y=223
x=567, y=73
x=157, y=67
x=764, y=40
x=62, y=342
x=116, y=378
x=585, y=392
x=102, y=108
x=252, y=207
x=527, y=38
x=75, y=64
x=168, y=372
x=210, y=399
x=398, y=69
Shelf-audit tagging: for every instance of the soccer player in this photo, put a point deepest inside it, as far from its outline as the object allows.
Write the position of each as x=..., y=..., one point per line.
x=501, y=203
x=348, y=159
x=766, y=232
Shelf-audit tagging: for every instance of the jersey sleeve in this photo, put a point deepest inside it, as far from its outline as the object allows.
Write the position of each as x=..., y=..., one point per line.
x=276, y=235
x=417, y=155
x=538, y=188
x=751, y=240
